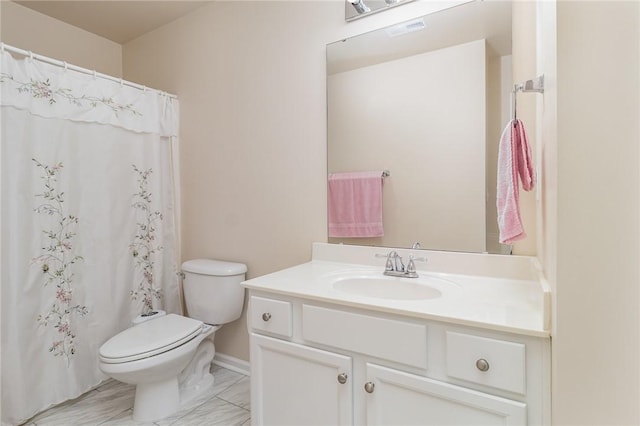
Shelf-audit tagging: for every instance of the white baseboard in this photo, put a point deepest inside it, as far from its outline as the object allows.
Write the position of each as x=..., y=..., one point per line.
x=232, y=363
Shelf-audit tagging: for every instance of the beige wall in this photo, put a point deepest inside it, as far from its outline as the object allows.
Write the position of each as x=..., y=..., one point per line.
x=499, y=87
x=594, y=220
x=524, y=68
x=29, y=30
x=547, y=142
x=404, y=116
x=251, y=82
x=252, y=152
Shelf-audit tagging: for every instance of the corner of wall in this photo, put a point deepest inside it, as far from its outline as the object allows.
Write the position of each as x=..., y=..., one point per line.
x=30, y=30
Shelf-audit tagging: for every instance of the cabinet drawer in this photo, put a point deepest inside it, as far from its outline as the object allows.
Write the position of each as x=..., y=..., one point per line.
x=270, y=315
x=398, y=341
x=496, y=363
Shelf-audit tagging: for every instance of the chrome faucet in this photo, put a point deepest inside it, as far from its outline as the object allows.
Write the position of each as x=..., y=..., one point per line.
x=395, y=267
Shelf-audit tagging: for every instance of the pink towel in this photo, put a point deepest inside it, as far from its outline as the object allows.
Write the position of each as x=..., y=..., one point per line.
x=355, y=204
x=514, y=162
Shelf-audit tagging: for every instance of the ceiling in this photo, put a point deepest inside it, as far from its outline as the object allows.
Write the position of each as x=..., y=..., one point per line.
x=119, y=21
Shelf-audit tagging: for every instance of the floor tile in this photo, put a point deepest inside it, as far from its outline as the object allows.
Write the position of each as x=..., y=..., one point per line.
x=91, y=409
x=185, y=409
x=125, y=419
x=238, y=393
x=223, y=378
x=111, y=404
x=215, y=412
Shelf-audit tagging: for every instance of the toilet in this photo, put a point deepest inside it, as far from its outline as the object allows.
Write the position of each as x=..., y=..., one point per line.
x=168, y=356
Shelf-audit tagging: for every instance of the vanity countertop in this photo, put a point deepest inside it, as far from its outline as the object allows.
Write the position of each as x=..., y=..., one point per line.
x=500, y=293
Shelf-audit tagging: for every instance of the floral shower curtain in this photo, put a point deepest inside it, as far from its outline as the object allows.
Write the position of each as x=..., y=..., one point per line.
x=88, y=225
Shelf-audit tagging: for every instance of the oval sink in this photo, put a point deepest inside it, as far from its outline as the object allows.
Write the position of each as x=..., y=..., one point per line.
x=387, y=288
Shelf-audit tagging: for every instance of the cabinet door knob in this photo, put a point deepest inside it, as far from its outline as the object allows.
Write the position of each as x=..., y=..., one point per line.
x=342, y=378
x=369, y=387
x=266, y=316
x=482, y=364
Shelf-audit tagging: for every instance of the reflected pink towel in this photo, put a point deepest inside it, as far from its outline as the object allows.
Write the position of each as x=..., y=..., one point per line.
x=514, y=161
x=355, y=204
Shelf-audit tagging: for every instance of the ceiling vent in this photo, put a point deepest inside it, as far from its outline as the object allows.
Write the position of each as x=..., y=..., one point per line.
x=406, y=27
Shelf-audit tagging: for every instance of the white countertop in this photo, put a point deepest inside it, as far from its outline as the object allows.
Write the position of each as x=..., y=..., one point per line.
x=507, y=301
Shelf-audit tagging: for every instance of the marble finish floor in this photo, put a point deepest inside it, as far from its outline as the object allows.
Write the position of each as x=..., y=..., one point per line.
x=110, y=404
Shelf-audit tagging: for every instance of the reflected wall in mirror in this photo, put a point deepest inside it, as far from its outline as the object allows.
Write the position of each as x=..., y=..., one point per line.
x=429, y=106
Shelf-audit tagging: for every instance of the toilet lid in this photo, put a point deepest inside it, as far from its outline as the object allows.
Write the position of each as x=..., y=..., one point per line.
x=150, y=338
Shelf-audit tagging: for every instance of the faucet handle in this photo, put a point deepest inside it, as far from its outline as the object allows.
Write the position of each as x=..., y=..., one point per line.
x=411, y=266
x=389, y=266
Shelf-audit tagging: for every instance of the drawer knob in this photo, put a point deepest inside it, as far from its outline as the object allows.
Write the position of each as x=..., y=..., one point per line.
x=266, y=316
x=342, y=378
x=369, y=387
x=482, y=364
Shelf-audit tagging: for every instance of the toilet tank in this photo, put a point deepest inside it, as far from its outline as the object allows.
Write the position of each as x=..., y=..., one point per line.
x=212, y=290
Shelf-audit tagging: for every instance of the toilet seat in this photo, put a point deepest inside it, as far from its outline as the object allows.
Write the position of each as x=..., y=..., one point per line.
x=150, y=338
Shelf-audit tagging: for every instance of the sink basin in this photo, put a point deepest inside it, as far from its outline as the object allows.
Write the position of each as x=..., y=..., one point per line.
x=384, y=287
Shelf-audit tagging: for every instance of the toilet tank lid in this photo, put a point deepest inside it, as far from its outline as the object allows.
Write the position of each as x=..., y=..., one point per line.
x=213, y=267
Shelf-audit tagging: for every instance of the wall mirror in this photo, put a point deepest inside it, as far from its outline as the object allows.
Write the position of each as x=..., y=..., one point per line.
x=426, y=100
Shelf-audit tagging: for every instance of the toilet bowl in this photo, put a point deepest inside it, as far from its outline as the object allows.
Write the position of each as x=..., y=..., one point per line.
x=150, y=356
x=169, y=356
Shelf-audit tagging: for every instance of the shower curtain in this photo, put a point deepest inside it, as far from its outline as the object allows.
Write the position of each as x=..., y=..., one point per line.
x=89, y=236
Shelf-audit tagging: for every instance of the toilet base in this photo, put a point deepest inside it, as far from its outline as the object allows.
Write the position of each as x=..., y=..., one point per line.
x=196, y=377
x=157, y=400
x=154, y=401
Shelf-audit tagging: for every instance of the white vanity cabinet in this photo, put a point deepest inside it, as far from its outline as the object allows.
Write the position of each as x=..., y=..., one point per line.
x=297, y=385
x=319, y=363
x=398, y=398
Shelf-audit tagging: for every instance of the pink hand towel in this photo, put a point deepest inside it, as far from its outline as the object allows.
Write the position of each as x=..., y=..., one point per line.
x=355, y=204
x=514, y=164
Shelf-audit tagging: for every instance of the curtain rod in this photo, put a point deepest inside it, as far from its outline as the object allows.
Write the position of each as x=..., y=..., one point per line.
x=63, y=64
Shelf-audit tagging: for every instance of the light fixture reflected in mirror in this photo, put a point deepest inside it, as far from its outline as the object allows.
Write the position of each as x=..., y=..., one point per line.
x=355, y=9
x=359, y=6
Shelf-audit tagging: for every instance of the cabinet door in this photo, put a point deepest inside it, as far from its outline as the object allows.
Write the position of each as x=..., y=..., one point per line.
x=398, y=398
x=296, y=385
